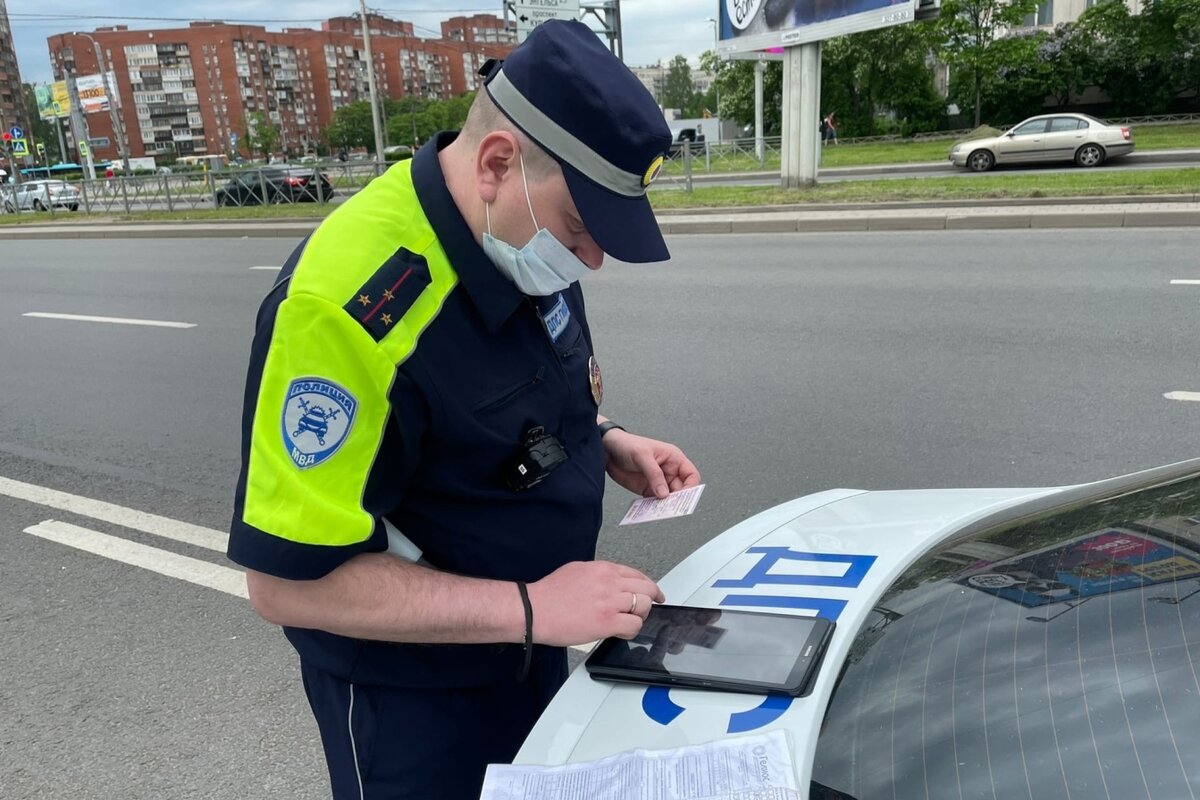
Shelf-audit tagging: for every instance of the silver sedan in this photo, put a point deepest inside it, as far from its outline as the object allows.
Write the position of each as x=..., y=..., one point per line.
x=1085, y=140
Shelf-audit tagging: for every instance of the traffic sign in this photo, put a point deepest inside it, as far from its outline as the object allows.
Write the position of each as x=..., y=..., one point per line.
x=41, y=150
x=531, y=13
x=16, y=132
x=20, y=147
x=83, y=149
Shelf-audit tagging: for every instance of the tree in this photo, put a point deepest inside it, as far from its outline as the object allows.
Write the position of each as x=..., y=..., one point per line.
x=1067, y=63
x=969, y=27
x=351, y=126
x=886, y=72
x=734, y=80
x=678, y=88
x=261, y=134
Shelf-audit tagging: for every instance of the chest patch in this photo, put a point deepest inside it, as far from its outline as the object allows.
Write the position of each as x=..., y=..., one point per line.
x=557, y=319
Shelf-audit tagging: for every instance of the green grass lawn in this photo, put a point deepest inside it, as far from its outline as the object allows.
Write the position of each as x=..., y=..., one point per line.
x=297, y=211
x=1067, y=185
x=1150, y=137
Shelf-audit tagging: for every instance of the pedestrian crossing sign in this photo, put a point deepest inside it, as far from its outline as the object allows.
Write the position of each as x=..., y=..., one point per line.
x=20, y=147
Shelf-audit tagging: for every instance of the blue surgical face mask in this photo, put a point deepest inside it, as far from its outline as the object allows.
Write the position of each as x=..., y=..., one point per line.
x=542, y=267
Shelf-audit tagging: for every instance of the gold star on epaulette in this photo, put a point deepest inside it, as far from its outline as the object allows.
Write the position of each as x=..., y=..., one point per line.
x=388, y=296
x=387, y=319
x=364, y=299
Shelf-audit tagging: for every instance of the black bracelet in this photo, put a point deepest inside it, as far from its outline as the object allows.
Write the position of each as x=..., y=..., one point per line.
x=607, y=426
x=524, y=673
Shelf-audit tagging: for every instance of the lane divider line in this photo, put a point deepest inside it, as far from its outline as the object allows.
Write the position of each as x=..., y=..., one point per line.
x=272, y=269
x=1190, y=397
x=153, y=323
x=192, y=570
x=1185, y=282
x=153, y=524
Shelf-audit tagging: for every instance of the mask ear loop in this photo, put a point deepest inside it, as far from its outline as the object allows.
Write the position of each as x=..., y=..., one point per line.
x=528, y=201
x=487, y=212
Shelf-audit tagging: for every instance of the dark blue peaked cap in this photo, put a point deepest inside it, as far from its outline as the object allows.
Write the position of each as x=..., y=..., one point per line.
x=588, y=111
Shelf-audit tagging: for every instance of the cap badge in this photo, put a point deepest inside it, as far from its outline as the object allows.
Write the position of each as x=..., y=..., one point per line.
x=652, y=172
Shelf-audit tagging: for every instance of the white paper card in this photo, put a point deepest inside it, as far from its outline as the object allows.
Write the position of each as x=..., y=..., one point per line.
x=757, y=767
x=676, y=504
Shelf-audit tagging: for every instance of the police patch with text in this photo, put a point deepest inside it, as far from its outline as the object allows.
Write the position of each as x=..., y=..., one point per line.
x=317, y=416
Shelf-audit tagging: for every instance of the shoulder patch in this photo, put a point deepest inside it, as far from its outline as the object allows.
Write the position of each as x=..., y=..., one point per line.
x=317, y=416
x=388, y=295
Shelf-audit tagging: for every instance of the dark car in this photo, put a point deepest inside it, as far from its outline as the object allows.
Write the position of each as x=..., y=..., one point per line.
x=275, y=185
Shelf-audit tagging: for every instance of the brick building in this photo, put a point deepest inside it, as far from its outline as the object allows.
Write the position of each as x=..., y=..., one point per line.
x=190, y=90
x=12, y=102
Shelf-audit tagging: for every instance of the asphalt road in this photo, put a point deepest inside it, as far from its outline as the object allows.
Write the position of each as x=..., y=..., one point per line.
x=783, y=364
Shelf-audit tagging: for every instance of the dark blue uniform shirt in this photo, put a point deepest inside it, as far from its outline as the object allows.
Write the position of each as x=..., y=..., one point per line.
x=490, y=364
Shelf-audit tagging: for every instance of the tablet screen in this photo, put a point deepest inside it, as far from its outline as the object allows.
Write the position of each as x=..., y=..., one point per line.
x=730, y=645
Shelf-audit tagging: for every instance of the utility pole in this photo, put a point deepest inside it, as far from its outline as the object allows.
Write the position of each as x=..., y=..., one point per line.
x=113, y=96
x=79, y=127
x=366, y=29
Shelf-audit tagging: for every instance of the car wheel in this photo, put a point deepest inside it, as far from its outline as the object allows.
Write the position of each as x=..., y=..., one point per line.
x=74, y=206
x=8, y=207
x=981, y=161
x=37, y=206
x=1090, y=155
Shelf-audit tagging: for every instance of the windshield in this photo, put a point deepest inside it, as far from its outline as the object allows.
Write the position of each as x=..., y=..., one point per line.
x=1054, y=659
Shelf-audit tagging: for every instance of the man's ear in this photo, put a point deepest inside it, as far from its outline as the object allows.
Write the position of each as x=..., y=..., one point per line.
x=495, y=159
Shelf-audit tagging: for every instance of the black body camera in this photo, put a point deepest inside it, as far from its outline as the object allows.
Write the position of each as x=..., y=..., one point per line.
x=539, y=455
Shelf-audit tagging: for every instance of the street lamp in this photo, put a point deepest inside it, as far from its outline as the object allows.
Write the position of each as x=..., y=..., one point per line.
x=112, y=101
x=716, y=85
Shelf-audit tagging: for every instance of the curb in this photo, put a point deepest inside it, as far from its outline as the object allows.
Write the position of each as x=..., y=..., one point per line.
x=998, y=202
x=1172, y=218
x=946, y=220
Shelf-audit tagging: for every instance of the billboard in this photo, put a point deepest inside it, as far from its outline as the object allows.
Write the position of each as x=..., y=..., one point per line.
x=53, y=100
x=93, y=96
x=747, y=25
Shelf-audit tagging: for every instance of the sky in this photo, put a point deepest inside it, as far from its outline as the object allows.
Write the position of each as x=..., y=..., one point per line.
x=654, y=29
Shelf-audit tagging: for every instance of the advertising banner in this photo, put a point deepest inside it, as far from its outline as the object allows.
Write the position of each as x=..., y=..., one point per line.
x=747, y=25
x=53, y=100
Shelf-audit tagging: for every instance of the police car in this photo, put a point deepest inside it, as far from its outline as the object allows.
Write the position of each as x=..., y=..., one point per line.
x=989, y=643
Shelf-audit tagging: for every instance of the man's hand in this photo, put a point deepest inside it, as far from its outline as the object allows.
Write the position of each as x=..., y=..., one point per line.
x=584, y=601
x=647, y=467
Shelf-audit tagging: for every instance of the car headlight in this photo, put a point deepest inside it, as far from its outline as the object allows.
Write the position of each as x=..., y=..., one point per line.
x=956, y=148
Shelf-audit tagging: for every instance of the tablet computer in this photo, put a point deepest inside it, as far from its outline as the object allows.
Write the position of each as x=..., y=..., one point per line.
x=707, y=648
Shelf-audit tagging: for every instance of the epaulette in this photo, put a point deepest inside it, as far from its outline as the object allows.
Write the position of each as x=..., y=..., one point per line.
x=388, y=294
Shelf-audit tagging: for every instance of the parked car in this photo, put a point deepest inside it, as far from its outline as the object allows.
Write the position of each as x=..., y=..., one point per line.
x=1087, y=141
x=998, y=643
x=42, y=196
x=275, y=185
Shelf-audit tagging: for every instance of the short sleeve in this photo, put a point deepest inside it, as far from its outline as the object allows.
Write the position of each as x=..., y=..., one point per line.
x=319, y=428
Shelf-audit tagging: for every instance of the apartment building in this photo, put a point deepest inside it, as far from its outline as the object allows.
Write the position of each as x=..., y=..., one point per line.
x=12, y=103
x=191, y=90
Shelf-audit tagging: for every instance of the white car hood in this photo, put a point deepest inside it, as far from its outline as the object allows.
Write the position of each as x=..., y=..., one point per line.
x=854, y=545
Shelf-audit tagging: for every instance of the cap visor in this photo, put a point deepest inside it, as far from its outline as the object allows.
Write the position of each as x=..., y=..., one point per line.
x=624, y=227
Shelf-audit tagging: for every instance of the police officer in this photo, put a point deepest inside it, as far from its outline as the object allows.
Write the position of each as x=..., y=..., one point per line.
x=423, y=458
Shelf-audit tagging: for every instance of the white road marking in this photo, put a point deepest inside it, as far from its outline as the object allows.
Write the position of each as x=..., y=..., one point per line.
x=272, y=269
x=192, y=570
x=1193, y=397
x=154, y=323
x=1185, y=282
x=118, y=515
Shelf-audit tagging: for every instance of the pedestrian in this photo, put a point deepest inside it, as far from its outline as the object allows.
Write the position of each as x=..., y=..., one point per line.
x=108, y=179
x=829, y=126
x=423, y=456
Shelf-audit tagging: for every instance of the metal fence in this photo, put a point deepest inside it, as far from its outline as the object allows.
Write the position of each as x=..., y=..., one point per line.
x=321, y=183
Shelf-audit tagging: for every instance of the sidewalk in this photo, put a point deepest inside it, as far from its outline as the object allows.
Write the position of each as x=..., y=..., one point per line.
x=1173, y=211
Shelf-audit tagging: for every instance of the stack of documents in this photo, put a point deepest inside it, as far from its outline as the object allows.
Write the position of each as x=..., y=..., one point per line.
x=757, y=767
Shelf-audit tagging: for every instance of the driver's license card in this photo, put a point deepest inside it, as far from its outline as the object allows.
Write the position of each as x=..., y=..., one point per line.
x=676, y=504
